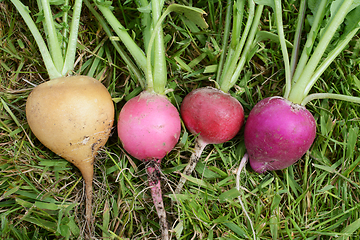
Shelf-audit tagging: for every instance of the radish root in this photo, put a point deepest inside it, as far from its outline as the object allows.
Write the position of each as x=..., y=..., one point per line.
x=242, y=165
x=88, y=207
x=87, y=171
x=194, y=159
x=154, y=176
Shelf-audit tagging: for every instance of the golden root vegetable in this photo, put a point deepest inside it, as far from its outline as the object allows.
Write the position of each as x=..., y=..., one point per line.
x=73, y=117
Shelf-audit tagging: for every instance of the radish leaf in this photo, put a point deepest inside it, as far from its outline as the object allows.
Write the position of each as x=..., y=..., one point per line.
x=265, y=2
x=195, y=15
x=352, y=20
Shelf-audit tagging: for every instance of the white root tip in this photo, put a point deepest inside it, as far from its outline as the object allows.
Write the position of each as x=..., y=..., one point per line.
x=241, y=166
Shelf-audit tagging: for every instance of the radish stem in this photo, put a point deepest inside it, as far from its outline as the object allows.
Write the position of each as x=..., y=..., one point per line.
x=296, y=46
x=336, y=96
x=225, y=40
x=46, y=56
x=310, y=41
x=53, y=42
x=249, y=44
x=237, y=22
x=194, y=159
x=134, y=49
x=297, y=93
x=278, y=13
x=72, y=42
x=146, y=23
x=159, y=64
x=66, y=8
x=52, y=54
x=133, y=68
x=233, y=54
x=308, y=71
x=329, y=59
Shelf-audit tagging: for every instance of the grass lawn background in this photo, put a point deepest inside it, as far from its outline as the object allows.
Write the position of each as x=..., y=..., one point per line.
x=42, y=195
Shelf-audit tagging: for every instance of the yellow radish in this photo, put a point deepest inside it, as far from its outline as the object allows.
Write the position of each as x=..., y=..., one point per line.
x=73, y=117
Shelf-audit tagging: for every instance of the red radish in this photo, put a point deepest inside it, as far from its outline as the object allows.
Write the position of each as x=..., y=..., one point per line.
x=216, y=116
x=212, y=115
x=149, y=127
x=278, y=133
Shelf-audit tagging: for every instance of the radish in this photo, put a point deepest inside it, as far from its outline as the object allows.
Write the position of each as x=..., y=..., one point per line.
x=265, y=127
x=213, y=115
x=279, y=130
x=149, y=125
x=218, y=118
x=72, y=116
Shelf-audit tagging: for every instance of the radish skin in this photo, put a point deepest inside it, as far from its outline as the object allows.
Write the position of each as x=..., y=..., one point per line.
x=214, y=116
x=277, y=134
x=149, y=128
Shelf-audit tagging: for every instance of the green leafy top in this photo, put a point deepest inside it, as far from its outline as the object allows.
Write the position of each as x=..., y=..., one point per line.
x=59, y=52
x=333, y=25
x=152, y=62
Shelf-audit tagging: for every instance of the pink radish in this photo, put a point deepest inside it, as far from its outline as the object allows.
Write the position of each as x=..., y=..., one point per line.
x=212, y=115
x=278, y=133
x=149, y=127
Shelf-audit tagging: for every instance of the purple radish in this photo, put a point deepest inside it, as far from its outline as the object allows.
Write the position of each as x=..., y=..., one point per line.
x=149, y=127
x=278, y=133
x=213, y=116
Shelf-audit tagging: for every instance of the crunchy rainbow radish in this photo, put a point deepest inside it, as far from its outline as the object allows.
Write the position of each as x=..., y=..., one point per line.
x=279, y=131
x=213, y=116
x=149, y=127
x=72, y=116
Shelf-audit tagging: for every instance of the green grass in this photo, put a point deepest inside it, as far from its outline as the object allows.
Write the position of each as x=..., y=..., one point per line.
x=42, y=195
